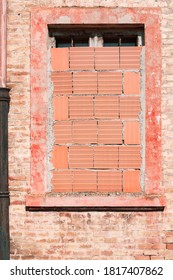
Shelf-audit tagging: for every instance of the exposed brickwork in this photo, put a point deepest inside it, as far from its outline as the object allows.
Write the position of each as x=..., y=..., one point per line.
x=81, y=235
x=3, y=8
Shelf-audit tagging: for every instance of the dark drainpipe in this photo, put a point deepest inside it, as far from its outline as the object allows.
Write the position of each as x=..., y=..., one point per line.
x=4, y=192
x=4, y=108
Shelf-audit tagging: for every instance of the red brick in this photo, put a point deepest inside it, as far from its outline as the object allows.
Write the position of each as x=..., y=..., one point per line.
x=109, y=181
x=107, y=58
x=85, y=181
x=81, y=107
x=129, y=107
x=129, y=157
x=169, y=246
x=63, y=132
x=109, y=132
x=62, y=181
x=157, y=258
x=60, y=106
x=105, y=157
x=60, y=157
x=130, y=57
x=109, y=83
x=131, y=132
x=131, y=83
x=131, y=181
x=106, y=107
x=85, y=83
x=82, y=58
x=142, y=257
x=85, y=132
x=62, y=82
x=60, y=59
x=80, y=157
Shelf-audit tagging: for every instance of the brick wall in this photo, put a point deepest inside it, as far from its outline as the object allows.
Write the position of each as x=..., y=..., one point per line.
x=88, y=235
x=96, y=112
x=2, y=44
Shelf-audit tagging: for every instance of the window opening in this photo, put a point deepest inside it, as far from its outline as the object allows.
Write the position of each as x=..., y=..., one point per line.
x=100, y=36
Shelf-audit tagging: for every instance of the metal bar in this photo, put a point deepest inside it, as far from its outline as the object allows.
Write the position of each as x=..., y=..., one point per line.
x=95, y=209
x=4, y=193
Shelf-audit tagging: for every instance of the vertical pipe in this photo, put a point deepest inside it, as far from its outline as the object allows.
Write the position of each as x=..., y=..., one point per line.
x=4, y=193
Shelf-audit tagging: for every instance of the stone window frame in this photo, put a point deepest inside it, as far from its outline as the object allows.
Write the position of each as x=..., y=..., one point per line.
x=40, y=20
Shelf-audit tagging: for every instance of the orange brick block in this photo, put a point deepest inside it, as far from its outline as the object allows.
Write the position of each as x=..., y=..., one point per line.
x=129, y=157
x=107, y=58
x=109, y=83
x=63, y=132
x=82, y=58
x=62, y=181
x=109, y=181
x=85, y=132
x=106, y=107
x=60, y=157
x=109, y=132
x=85, y=83
x=105, y=157
x=130, y=57
x=80, y=157
x=131, y=132
x=60, y=105
x=131, y=83
x=84, y=181
x=131, y=181
x=81, y=107
x=62, y=83
x=60, y=59
x=129, y=107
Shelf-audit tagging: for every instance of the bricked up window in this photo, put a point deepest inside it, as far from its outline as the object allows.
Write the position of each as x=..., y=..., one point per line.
x=98, y=110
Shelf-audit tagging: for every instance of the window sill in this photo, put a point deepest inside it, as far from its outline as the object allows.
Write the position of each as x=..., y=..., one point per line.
x=127, y=202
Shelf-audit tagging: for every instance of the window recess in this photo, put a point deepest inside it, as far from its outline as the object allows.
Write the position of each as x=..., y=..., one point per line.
x=126, y=35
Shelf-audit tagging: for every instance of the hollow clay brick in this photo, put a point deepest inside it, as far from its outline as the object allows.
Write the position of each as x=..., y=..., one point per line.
x=80, y=157
x=62, y=181
x=131, y=181
x=84, y=181
x=60, y=59
x=107, y=58
x=109, y=181
x=60, y=105
x=62, y=83
x=106, y=107
x=85, y=83
x=105, y=157
x=82, y=58
x=131, y=132
x=109, y=83
x=131, y=83
x=60, y=157
x=109, y=132
x=81, y=107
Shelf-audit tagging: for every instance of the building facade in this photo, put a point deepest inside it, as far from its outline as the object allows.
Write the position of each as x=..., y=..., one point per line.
x=90, y=129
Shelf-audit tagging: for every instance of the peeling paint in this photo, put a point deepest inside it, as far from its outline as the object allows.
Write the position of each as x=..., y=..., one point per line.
x=39, y=98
